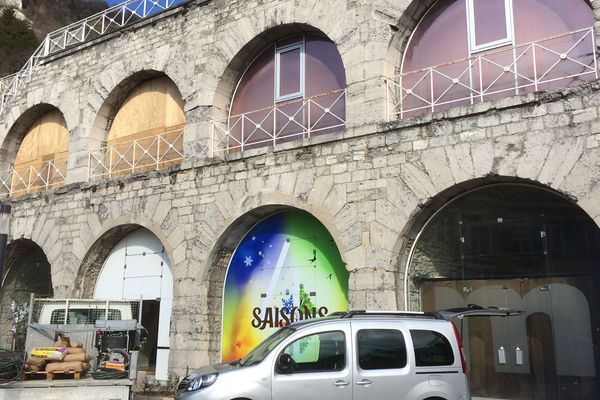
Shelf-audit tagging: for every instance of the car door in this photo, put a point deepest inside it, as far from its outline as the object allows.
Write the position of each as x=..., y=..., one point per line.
x=316, y=365
x=382, y=370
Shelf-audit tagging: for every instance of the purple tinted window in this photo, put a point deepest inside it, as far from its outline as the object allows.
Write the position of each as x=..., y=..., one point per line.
x=289, y=71
x=324, y=67
x=490, y=21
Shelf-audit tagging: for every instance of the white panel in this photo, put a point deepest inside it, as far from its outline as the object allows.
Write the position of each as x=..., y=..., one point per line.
x=164, y=324
x=110, y=280
x=147, y=289
x=138, y=267
x=162, y=365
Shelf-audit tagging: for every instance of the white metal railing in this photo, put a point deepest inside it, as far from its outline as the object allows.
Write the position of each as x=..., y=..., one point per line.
x=280, y=123
x=43, y=176
x=152, y=152
x=80, y=32
x=549, y=63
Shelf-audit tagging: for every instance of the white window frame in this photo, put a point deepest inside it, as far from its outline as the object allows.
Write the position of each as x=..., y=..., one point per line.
x=278, y=52
x=509, y=40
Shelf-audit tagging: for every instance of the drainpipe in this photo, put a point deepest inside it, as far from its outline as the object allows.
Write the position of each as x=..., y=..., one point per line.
x=4, y=231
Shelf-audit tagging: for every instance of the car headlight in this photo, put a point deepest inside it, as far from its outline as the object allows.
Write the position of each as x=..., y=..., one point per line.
x=203, y=381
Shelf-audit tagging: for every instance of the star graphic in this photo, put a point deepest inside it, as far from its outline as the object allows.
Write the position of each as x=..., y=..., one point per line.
x=248, y=261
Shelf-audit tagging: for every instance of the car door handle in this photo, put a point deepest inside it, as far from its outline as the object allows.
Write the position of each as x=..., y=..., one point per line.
x=364, y=382
x=341, y=383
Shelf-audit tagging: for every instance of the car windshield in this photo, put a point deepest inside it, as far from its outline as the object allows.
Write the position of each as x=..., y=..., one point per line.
x=262, y=350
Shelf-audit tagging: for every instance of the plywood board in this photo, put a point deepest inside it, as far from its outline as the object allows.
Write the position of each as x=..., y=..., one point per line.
x=151, y=108
x=47, y=139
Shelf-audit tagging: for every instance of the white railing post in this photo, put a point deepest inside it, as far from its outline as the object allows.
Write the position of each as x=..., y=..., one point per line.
x=514, y=54
x=431, y=83
x=535, y=74
x=158, y=151
x=49, y=164
x=46, y=45
x=308, y=119
x=133, y=157
x=480, y=79
x=594, y=50
x=274, y=125
x=110, y=159
x=401, y=99
x=28, y=187
x=242, y=141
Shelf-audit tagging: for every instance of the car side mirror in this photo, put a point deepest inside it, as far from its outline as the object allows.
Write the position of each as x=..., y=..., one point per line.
x=285, y=364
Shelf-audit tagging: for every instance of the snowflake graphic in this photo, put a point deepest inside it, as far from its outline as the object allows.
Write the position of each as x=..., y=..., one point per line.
x=289, y=303
x=248, y=261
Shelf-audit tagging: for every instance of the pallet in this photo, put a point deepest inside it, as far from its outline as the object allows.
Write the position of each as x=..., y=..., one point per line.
x=28, y=375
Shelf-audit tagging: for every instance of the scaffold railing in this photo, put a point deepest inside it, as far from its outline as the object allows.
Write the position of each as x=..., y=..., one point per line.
x=549, y=63
x=280, y=123
x=34, y=178
x=80, y=32
x=149, y=153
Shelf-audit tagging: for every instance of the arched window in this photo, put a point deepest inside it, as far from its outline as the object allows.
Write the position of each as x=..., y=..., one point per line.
x=525, y=248
x=468, y=51
x=294, y=89
x=146, y=132
x=41, y=161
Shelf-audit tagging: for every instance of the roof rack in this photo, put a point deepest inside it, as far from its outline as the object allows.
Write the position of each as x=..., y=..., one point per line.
x=403, y=314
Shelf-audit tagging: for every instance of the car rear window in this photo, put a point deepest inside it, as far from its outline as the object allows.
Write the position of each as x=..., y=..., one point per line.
x=381, y=349
x=83, y=315
x=431, y=348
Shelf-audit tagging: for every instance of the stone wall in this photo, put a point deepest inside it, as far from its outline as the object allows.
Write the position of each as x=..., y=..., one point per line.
x=370, y=185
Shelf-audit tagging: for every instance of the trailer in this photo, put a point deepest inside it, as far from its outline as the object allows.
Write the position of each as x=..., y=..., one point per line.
x=92, y=323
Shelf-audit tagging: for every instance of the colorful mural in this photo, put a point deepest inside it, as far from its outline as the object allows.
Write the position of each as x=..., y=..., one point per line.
x=286, y=268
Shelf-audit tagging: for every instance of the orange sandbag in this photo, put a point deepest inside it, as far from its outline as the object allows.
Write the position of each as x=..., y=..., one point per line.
x=77, y=357
x=75, y=350
x=65, y=366
x=86, y=366
x=38, y=362
x=33, y=368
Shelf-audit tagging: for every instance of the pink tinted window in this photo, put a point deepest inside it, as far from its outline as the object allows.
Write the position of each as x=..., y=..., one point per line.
x=290, y=64
x=490, y=21
x=447, y=19
x=255, y=90
x=552, y=17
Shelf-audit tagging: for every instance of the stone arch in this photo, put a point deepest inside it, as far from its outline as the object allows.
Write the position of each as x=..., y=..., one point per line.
x=18, y=130
x=246, y=54
x=222, y=251
x=27, y=271
x=408, y=22
x=103, y=240
x=422, y=215
x=113, y=101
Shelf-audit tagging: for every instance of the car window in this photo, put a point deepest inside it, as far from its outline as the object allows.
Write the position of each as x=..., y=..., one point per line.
x=321, y=352
x=381, y=349
x=264, y=348
x=431, y=348
x=57, y=317
x=83, y=315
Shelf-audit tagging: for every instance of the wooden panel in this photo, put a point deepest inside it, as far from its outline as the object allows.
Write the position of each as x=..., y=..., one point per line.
x=47, y=139
x=153, y=107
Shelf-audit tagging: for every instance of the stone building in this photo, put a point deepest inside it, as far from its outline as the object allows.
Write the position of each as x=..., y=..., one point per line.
x=386, y=154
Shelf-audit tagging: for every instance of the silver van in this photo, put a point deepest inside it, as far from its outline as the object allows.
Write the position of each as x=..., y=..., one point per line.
x=356, y=355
